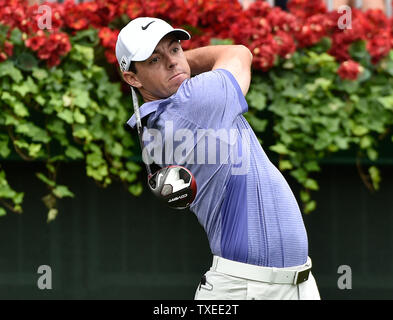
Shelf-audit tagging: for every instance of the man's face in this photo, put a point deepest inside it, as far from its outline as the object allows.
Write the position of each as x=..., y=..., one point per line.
x=162, y=73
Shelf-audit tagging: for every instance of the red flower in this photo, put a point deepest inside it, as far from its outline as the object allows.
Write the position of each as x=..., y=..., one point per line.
x=134, y=9
x=39, y=17
x=285, y=44
x=108, y=37
x=110, y=56
x=37, y=41
x=281, y=20
x=315, y=28
x=349, y=70
x=306, y=8
x=3, y=56
x=51, y=47
x=8, y=48
x=265, y=53
x=343, y=38
x=258, y=9
x=377, y=19
x=75, y=18
x=379, y=46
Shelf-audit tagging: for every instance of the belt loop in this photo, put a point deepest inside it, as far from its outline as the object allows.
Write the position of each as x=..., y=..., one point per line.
x=273, y=275
x=215, y=262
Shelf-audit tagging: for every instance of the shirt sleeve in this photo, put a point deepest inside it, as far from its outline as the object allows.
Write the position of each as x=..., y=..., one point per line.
x=211, y=100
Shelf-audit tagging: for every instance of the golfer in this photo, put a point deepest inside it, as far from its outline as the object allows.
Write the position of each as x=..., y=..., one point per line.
x=251, y=217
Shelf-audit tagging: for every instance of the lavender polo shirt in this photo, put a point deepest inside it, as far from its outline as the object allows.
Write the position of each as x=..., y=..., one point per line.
x=244, y=203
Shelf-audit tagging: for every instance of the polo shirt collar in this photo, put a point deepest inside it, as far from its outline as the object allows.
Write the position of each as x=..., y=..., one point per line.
x=145, y=109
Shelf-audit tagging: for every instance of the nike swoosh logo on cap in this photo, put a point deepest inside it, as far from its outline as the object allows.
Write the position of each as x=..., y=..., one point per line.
x=145, y=27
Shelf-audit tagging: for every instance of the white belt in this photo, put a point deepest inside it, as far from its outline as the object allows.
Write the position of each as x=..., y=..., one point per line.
x=291, y=275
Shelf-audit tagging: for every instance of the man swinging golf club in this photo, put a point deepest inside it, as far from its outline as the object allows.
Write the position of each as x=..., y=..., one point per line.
x=251, y=217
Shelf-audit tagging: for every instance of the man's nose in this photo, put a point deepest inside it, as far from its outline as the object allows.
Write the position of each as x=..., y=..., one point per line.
x=171, y=62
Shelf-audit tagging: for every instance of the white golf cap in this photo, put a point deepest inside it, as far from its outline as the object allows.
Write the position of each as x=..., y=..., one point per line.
x=138, y=39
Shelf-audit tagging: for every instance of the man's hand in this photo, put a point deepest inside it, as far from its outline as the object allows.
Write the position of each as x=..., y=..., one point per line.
x=236, y=59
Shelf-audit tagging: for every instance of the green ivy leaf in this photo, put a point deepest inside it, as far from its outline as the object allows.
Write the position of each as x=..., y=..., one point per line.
x=66, y=115
x=323, y=45
x=88, y=37
x=311, y=184
x=73, y=153
x=359, y=130
x=375, y=177
x=34, y=132
x=133, y=167
x=372, y=154
x=52, y=214
x=299, y=174
x=136, y=189
x=20, y=109
x=256, y=99
x=366, y=142
x=25, y=87
x=310, y=206
x=81, y=99
x=387, y=102
x=43, y=178
x=4, y=149
x=358, y=51
x=39, y=74
x=62, y=192
x=79, y=117
x=305, y=196
x=7, y=68
x=26, y=61
x=256, y=123
x=16, y=37
x=117, y=149
x=285, y=165
x=279, y=148
x=83, y=54
x=312, y=166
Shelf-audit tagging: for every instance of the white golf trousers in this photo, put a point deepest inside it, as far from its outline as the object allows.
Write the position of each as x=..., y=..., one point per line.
x=220, y=286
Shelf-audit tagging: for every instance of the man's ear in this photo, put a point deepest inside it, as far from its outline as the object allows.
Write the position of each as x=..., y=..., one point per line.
x=132, y=79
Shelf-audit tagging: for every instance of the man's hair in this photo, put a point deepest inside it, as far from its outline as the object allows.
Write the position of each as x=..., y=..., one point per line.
x=132, y=67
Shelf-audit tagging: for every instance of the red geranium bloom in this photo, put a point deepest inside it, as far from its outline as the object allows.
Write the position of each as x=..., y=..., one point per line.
x=306, y=8
x=281, y=20
x=37, y=41
x=8, y=48
x=285, y=44
x=3, y=56
x=110, y=56
x=379, y=46
x=349, y=70
x=265, y=53
x=108, y=37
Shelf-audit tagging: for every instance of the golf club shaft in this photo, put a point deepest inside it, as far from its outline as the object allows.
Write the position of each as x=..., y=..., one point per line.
x=139, y=125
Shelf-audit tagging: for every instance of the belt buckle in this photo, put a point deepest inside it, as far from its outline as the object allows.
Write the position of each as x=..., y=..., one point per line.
x=301, y=276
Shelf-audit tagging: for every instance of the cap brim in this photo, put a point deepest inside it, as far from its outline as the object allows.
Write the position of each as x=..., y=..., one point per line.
x=180, y=34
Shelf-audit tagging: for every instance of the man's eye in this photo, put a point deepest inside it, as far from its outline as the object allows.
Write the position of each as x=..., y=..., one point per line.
x=176, y=49
x=154, y=60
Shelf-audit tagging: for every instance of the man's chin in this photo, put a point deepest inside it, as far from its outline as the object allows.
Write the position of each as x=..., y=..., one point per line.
x=178, y=80
x=176, y=85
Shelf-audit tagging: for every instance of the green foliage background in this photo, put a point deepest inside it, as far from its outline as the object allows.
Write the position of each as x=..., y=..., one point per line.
x=65, y=113
x=313, y=113
x=77, y=110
